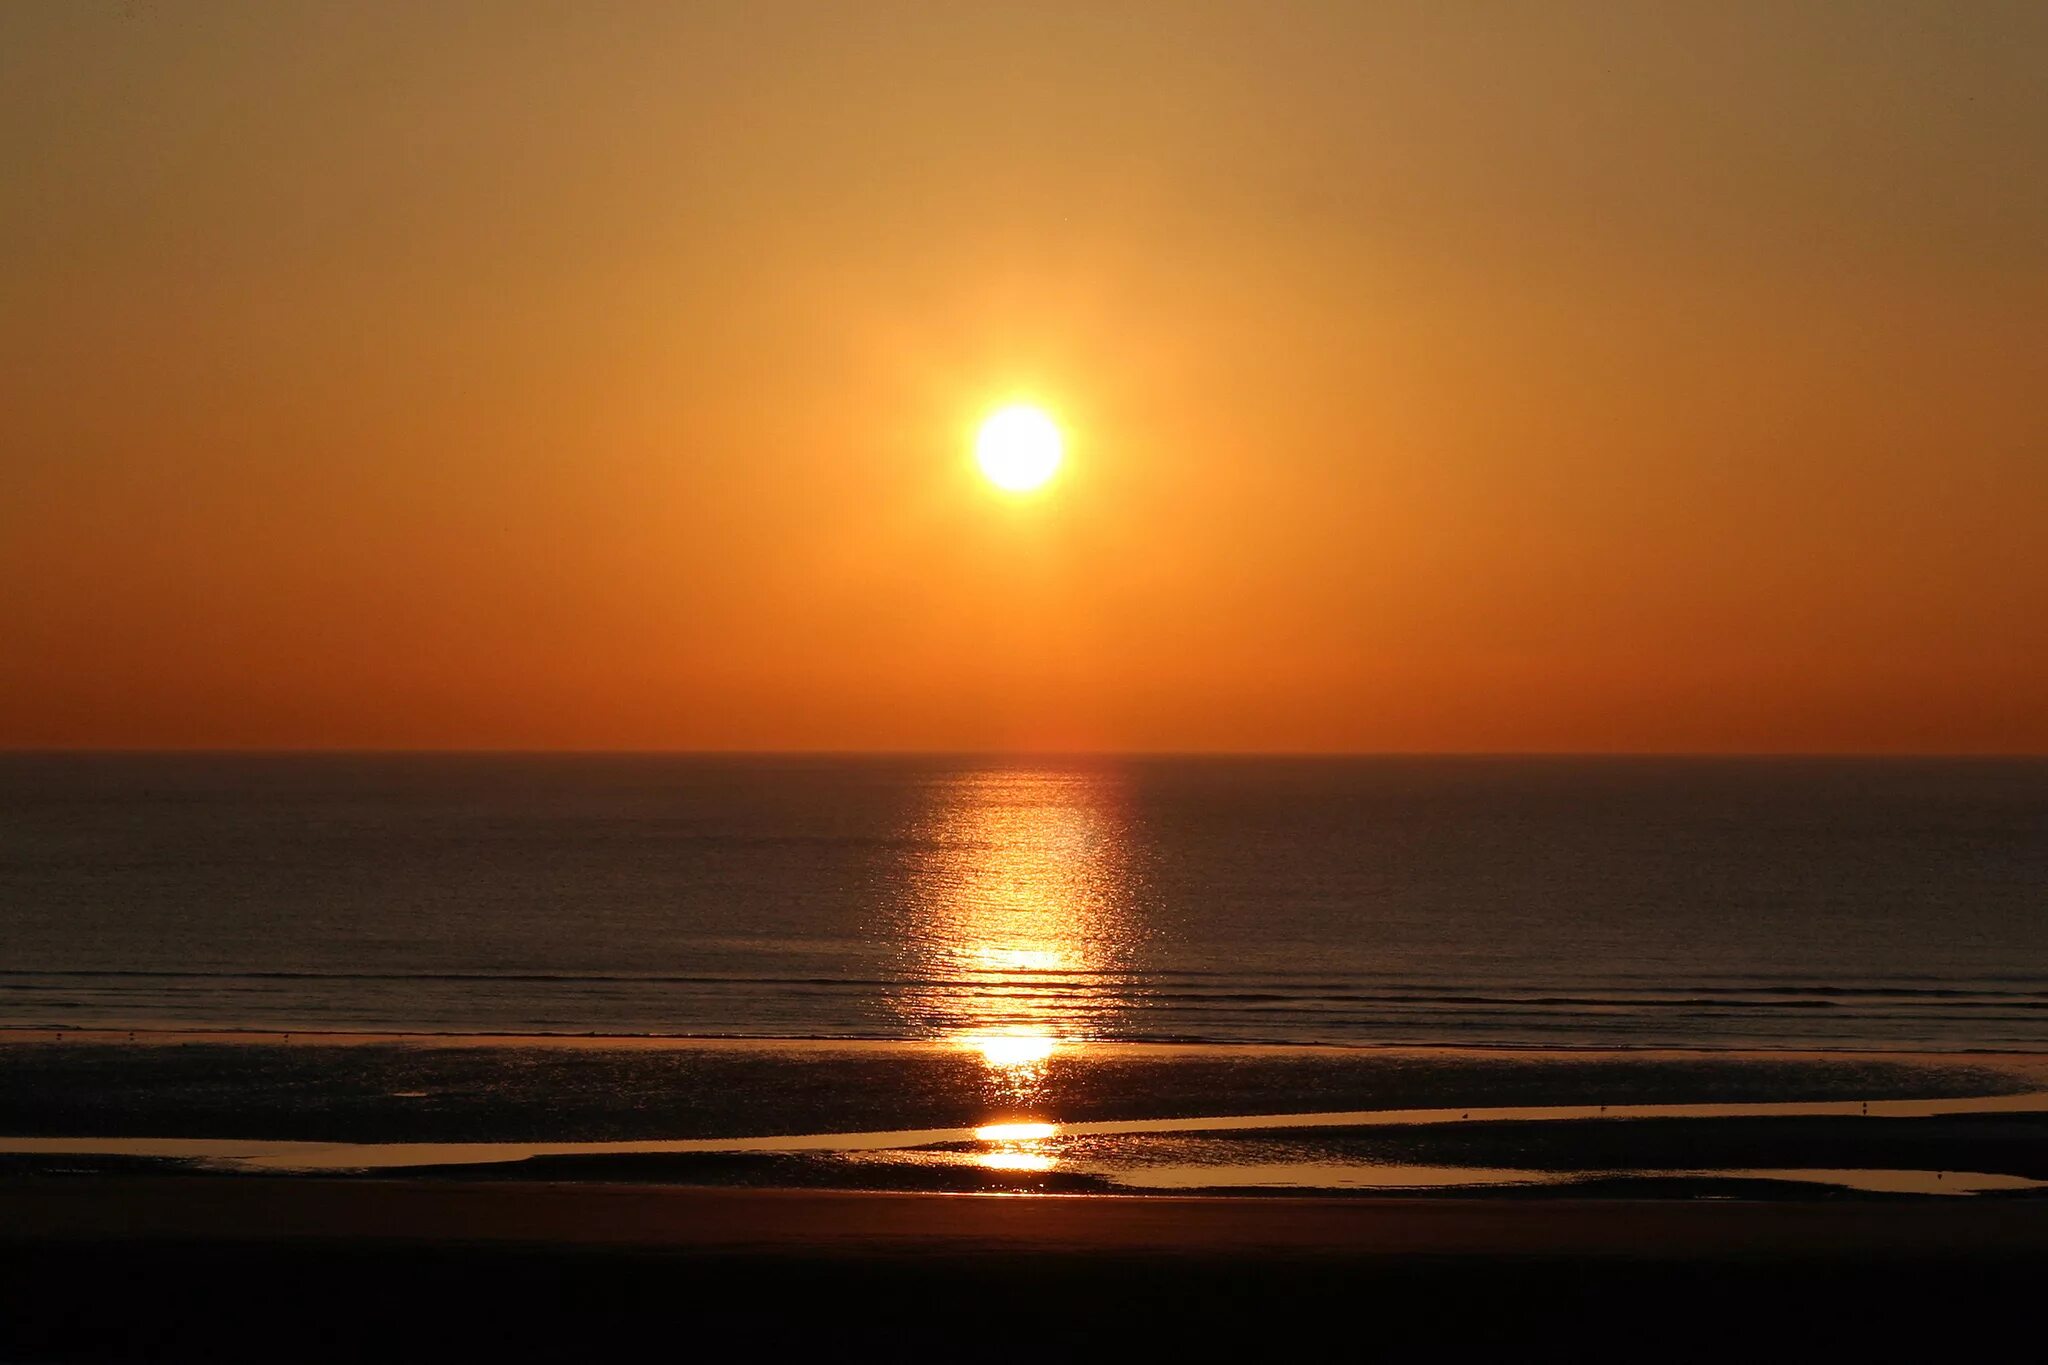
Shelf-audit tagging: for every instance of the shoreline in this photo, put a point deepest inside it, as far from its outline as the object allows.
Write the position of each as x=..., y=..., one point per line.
x=1088, y=1118
x=318, y=1157
x=1098, y=1118
x=18, y=1034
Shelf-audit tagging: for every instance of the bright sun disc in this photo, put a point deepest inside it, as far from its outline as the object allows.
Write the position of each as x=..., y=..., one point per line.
x=1018, y=448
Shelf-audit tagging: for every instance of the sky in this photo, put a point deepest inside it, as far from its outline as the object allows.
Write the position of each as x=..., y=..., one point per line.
x=1434, y=377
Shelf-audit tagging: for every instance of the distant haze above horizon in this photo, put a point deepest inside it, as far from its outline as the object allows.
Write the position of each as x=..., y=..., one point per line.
x=1432, y=377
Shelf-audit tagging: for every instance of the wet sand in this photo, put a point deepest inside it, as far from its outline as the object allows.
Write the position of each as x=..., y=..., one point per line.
x=440, y=1089
x=1099, y=1118
x=145, y=1210
x=1955, y=1151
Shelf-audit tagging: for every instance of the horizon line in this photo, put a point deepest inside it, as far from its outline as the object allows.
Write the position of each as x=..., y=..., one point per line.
x=483, y=751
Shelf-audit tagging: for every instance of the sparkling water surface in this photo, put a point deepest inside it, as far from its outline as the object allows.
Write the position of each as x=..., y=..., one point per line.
x=1023, y=904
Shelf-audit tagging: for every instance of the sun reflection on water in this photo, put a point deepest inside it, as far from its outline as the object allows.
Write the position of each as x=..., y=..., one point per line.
x=1019, y=923
x=1016, y=1161
x=1015, y=1132
x=1016, y=937
x=1016, y=1146
x=1012, y=1051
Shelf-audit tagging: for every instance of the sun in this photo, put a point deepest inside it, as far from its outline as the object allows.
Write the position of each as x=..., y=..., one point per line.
x=1018, y=448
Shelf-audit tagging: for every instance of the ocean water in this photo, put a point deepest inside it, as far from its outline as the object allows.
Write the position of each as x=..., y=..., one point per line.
x=1019, y=904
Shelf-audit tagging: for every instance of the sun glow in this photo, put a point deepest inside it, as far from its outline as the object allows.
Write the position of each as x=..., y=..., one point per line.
x=1018, y=448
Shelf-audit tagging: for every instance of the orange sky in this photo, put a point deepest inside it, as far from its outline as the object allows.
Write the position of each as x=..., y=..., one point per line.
x=1466, y=377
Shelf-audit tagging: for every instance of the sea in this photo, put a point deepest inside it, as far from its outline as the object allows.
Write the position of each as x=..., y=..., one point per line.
x=1538, y=902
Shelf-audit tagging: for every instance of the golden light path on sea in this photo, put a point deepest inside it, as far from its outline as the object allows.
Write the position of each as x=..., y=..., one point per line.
x=1016, y=931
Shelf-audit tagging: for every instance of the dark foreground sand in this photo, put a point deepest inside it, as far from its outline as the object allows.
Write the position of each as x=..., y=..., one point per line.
x=248, y=1268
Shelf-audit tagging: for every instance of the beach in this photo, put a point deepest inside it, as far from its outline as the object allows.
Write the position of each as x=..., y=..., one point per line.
x=248, y=1196
x=108, y=1267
